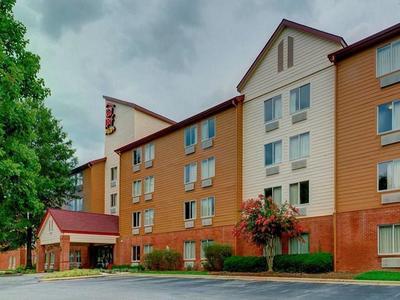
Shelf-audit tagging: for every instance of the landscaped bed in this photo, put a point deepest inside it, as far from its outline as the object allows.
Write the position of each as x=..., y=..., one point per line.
x=330, y=275
x=379, y=275
x=73, y=273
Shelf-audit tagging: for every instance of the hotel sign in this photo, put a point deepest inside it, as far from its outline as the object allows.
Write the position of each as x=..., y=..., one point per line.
x=110, y=119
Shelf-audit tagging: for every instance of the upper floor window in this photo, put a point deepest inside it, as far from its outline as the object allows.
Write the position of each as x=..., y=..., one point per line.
x=149, y=152
x=208, y=129
x=149, y=217
x=51, y=225
x=190, y=136
x=208, y=207
x=299, y=146
x=389, y=175
x=113, y=200
x=137, y=156
x=273, y=109
x=389, y=239
x=149, y=184
x=190, y=173
x=297, y=246
x=114, y=175
x=76, y=204
x=388, y=59
x=208, y=168
x=137, y=188
x=190, y=210
x=275, y=193
x=299, y=193
x=273, y=153
x=136, y=222
x=300, y=98
x=389, y=116
x=79, y=179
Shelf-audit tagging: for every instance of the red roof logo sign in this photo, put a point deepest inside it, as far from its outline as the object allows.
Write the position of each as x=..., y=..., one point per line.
x=110, y=119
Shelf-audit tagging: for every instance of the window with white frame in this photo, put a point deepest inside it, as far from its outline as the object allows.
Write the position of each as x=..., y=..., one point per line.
x=190, y=135
x=114, y=174
x=189, y=250
x=149, y=217
x=300, y=98
x=208, y=168
x=389, y=239
x=79, y=179
x=147, y=249
x=51, y=225
x=137, y=188
x=190, y=210
x=190, y=173
x=299, y=246
x=299, y=146
x=204, y=244
x=389, y=116
x=273, y=109
x=113, y=200
x=208, y=129
x=149, y=185
x=388, y=59
x=137, y=156
x=76, y=204
x=273, y=153
x=208, y=207
x=299, y=193
x=275, y=193
x=135, y=253
x=136, y=221
x=389, y=175
x=149, y=152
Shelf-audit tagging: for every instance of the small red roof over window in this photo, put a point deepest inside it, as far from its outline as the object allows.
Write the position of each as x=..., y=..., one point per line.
x=83, y=222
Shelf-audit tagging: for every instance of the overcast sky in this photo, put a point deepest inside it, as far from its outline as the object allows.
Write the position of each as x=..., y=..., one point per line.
x=175, y=57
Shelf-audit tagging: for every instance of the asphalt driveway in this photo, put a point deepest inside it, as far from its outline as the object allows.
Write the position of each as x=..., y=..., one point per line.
x=130, y=287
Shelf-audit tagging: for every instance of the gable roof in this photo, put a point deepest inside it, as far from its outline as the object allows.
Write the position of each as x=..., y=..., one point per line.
x=286, y=24
x=87, y=165
x=365, y=43
x=83, y=222
x=204, y=114
x=139, y=108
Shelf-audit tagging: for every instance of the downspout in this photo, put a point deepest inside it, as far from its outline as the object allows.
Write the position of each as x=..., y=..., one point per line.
x=335, y=171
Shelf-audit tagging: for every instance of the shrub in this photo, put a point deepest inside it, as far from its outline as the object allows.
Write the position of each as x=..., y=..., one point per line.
x=128, y=268
x=304, y=263
x=245, y=264
x=216, y=255
x=163, y=260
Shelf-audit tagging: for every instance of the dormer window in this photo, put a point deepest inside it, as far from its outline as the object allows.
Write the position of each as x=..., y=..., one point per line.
x=388, y=59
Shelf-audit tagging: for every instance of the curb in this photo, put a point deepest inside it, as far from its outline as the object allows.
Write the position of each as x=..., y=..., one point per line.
x=71, y=278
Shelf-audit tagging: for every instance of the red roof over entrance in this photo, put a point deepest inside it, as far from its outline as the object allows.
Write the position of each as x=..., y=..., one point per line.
x=83, y=222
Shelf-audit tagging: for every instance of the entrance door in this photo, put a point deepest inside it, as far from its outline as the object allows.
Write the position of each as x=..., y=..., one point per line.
x=101, y=256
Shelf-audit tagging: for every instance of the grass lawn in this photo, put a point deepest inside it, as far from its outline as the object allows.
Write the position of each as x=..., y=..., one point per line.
x=73, y=273
x=379, y=275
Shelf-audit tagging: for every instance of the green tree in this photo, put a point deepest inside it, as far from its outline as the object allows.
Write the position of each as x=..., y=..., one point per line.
x=35, y=155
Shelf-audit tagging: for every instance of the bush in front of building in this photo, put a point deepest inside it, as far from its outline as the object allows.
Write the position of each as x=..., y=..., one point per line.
x=216, y=255
x=127, y=268
x=304, y=263
x=245, y=264
x=161, y=260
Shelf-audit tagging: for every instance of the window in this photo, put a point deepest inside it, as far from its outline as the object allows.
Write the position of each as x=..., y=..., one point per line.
x=208, y=129
x=189, y=250
x=114, y=174
x=136, y=222
x=388, y=59
x=149, y=217
x=275, y=193
x=290, y=51
x=299, y=193
x=300, y=98
x=299, y=146
x=190, y=171
x=137, y=156
x=137, y=188
x=190, y=136
x=389, y=239
x=149, y=185
x=273, y=109
x=208, y=168
x=113, y=200
x=280, y=57
x=75, y=204
x=51, y=225
x=190, y=210
x=389, y=175
x=147, y=249
x=204, y=244
x=79, y=179
x=389, y=116
x=149, y=152
x=273, y=153
x=208, y=207
x=135, y=253
x=297, y=246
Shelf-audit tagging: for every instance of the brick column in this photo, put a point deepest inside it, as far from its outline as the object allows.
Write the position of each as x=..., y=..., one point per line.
x=64, y=252
x=40, y=257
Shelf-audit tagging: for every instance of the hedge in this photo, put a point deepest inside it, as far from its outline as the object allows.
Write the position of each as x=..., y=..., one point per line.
x=163, y=260
x=245, y=264
x=304, y=263
x=216, y=255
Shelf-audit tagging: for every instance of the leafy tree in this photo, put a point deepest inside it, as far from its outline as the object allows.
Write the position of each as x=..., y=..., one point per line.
x=35, y=155
x=262, y=221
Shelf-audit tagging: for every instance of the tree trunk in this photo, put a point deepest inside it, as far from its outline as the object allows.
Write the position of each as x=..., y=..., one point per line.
x=29, y=237
x=270, y=256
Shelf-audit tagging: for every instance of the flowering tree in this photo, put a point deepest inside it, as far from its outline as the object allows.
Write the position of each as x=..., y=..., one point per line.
x=262, y=221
